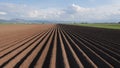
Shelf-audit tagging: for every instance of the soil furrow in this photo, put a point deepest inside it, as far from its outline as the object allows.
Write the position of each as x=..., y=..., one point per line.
x=33, y=63
x=58, y=46
x=18, y=50
x=86, y=61
x=36, y=44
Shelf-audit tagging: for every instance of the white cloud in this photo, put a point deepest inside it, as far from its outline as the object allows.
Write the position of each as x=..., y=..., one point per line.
x=78, y=8
x=72, y=13
x=28, y=12
x=34, y=13
x=3, y=13
x=103, y=13
x=44, y=14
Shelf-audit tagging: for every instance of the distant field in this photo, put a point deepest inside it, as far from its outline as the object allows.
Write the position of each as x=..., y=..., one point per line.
x=109, y=26
x=58, y=46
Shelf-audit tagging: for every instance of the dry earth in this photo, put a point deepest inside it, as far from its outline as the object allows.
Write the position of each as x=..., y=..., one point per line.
x=58, y=46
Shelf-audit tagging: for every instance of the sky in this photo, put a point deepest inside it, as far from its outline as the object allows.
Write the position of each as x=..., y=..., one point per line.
x=61, y=10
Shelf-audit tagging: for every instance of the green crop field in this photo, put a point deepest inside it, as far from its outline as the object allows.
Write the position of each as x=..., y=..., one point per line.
x=109, y=26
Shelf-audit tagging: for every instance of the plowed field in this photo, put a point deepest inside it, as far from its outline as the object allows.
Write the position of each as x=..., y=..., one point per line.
x=58, y=46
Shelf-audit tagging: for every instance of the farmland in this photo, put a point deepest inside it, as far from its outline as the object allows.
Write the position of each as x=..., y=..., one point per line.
x=108, y=26
x=58, y=46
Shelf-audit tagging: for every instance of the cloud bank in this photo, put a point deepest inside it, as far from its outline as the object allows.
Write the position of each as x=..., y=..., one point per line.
x=3, y=13
x=108, y=13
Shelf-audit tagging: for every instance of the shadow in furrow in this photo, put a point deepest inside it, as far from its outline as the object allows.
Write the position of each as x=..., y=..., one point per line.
x=102, y=54
x=33, y=63
x=79, y=54
x=105, y=43
x=101, y=46
x=18, y=53
x=29, y=53
x=13, y=44
x=59, y=57
x=91, y=55
x=46, y=63
x=19, y=46
x=71, y=59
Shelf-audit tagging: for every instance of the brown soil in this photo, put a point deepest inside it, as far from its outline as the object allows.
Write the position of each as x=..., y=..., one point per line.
x=58, y=46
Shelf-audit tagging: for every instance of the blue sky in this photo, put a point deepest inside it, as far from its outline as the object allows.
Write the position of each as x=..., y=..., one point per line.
x=59, y=3
x=62, y=10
